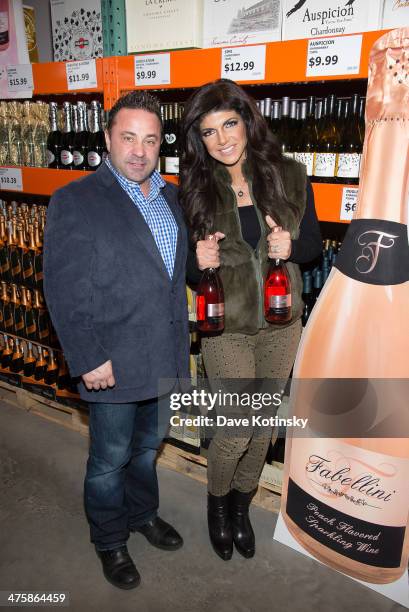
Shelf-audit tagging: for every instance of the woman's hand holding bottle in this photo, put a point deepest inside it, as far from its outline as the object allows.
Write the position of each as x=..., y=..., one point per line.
x=207, y=252
x=279, y=241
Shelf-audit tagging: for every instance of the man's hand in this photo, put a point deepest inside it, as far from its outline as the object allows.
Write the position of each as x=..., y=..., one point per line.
x=100, y=378
x=207, y=252
x=279, y=241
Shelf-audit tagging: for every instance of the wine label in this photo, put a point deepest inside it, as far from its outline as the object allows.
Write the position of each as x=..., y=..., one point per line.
x=66, y=157
x=50, y=157
x=348, y=165
x=349, y=499
x=375, y=251
x=308, y=160
x=94, y=159
x=280, y=301
x=215, y=310
x=78, y=158
x=289, y=154
x=170, y=138
x=325, y=164
x=171, y=165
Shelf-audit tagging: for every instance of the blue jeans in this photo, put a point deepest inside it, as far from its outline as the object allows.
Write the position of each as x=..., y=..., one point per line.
x=121, y=486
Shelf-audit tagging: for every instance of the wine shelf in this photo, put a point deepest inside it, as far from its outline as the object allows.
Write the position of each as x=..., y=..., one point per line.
x=43, y=181
x=285, y=63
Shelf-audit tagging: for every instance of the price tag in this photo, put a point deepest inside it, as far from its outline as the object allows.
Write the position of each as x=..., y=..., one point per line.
x=11, y=179
x=81, y=75
x=336, y=55
x=153, y=69
x=20, y=79
x=349, y=201
x=244, y=63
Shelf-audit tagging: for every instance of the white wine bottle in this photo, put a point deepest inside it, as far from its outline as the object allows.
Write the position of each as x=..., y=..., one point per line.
x=346, y=488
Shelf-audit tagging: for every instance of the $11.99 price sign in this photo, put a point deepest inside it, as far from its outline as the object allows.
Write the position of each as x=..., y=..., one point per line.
x=11, y=179
x=244, y=63
x=332, y=56
x=81, y=75
x=152, y=69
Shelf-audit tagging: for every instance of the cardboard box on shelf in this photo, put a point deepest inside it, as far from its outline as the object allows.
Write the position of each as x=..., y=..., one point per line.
x=313, y=18
x=241, y=22
x=77, y=29
x=153, y=25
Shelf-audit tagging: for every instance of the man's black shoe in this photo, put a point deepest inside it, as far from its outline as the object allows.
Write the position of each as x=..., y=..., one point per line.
x=119, y=569
x=161, y=534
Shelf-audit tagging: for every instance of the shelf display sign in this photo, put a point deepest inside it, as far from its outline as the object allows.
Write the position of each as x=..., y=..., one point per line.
x=334, y=56
x=243, y=63
x=81, y=75
x=11, y=179
x=152, y=69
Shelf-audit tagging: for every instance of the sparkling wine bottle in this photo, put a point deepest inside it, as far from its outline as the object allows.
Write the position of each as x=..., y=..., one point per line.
x=345, y=493
x=210, y=301
x=277, y=292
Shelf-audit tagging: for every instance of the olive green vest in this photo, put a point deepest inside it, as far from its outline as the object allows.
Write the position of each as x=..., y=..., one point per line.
x=242, y=269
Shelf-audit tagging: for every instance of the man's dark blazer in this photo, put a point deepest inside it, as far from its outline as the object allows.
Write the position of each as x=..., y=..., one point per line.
x=108, y=291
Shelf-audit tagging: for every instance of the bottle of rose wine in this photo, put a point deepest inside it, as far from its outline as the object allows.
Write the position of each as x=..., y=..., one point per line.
x=210, y=301
x=277, y=292
x=345, y=493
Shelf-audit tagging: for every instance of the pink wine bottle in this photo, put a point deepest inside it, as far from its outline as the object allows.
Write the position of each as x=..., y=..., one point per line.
x=346, y=486
x=4, y=25
x=277, y=293
x=210, y=301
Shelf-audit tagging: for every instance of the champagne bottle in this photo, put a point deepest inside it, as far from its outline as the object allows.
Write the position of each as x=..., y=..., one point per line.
x=17, y=358
x=80, y=154
x=97, y=150
x=345, y=497
x=210, y=301
x=29, y=361
x=4, y=253
x=267, y=111
x=18, y=314
x=172, y=140
x=327, y=147
x=275, y=118
x=42, y=318
x=67, y=140
x=51, y=373
x=54, y=139
x=27, y=259
x=30, y=320
x=307, y=298
x=277, y=293
x=350, y=148
x=38, y=257
x=40, y=365
x=285, y=128
x=14, y=253
x=7, y=352
x=8, y=320
x=308, y=138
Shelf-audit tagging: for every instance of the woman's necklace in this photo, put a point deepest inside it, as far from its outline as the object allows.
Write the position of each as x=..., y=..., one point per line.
x=240, y=190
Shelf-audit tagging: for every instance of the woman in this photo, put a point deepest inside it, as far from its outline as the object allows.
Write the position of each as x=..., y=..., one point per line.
x=236, y=185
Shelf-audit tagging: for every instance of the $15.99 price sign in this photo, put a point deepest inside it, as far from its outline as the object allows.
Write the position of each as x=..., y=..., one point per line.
x=11, y=179
x=152, y=69
x=20, y=80
x=244, y=63
x=81, y=75
x=332, y=56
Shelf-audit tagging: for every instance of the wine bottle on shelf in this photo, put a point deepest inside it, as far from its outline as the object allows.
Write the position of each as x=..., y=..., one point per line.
x=267, y=111
x=27, y=258
x=7, y=352
x=327, y=146
x=54, y=139
x=172, y=140
x=29, y=361
x=18, y=311
x=308, y=137
x=97, y=150
x=307, y=298
x=30, y=319
x=67, y=139
x=38, y=257
x=210, y=301
x=275, y=118
x=14, y=253
x=350, y=148
x=17, y=358
x=8, y=321
x=350, y=475
x=42, y=318
x=40, y=365
x=4, y=253
x=285, y=132
x=4, y=25
x=51, y=373
x=81, y=137
x=293, y=127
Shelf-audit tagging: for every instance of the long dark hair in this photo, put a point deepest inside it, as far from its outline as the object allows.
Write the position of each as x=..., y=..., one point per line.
x=198, y=194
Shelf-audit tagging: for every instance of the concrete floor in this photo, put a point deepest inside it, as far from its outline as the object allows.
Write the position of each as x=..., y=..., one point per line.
x=44, y=542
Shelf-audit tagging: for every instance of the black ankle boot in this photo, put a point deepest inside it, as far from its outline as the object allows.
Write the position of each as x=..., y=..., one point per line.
x=220, y=531
x=243, y=534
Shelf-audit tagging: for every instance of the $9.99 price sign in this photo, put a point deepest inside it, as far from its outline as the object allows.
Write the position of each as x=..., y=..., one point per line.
x=244, y=63
x=11, y=179
x=81, y=75
x=336, y=55
x=152, y=69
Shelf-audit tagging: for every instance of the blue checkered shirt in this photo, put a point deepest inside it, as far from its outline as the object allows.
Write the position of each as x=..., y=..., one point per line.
x=156, y=212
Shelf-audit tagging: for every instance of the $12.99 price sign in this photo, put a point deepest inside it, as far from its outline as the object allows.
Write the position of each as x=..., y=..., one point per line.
x=11, y=179
x=81, y=75
x=152, y=69
x=244, y=63
x=332, y=56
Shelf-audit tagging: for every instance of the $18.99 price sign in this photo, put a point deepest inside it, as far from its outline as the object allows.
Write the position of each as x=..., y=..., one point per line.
x=244, y=63
x=332, y=56
x=81, y=75
x=152, y=69
x=11, y=179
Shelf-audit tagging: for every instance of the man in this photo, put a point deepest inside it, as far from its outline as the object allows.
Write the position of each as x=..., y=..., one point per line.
x=114, y=267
